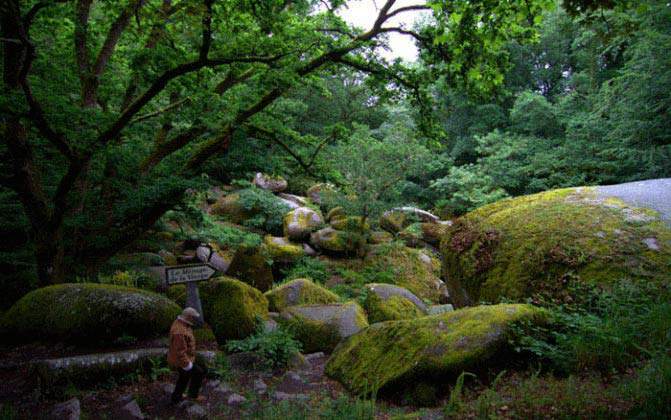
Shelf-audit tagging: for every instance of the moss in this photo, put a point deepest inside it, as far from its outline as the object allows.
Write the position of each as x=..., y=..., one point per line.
x=335, y=213
x=394, y=221
x=251, y=265
x=283, y=250
x=432, y=233
x=412, y=235
x=392, y=309
x=313, y=335
x=298, y=292
x=350, y=224
x=540, y=243
x=397, y=354
x=337, y=241
x=380, y=237
x=90, y=313
x=232, y=308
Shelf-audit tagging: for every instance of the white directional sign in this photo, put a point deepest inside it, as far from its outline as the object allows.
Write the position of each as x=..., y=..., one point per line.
x=188, y=273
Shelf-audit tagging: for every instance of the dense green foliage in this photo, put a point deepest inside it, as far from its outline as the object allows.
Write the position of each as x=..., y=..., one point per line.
x=276, y=348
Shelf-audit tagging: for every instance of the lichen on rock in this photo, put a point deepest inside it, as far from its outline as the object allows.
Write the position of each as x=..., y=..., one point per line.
x=541, y=243
x=300, y=222
x=298, y=292
x=432, y=349
x=337, y=241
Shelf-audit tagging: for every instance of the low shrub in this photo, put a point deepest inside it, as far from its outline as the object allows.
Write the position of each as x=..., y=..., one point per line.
x=276, y=348
x=605, y=330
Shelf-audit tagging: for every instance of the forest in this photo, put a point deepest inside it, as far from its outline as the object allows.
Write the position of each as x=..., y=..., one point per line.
x=511, y=181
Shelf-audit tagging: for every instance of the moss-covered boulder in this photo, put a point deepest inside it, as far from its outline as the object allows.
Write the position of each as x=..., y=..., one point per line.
x=380, y=237
x=544, y=242
x=89, y=313
x=386, y=302
x=230, y=206
x=335, y=213
x=273, y=183
x=282, y=249
x=350, y=224
x=337, y=241
x=300, y=222
x=232, y=308
x=298, y=292
x=322, y=327
x=425, y=351
x=413, y=235
x=251, y=265
x=410, y=268
x=394, y=221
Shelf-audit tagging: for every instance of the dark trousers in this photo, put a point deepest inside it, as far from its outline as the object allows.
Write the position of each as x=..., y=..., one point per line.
x=193, y=378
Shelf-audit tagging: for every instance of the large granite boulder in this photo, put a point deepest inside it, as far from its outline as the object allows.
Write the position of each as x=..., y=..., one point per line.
x=232, y=307
x=425, y=352
x=422, y=234
x=298, y=292
x=300, y=222
x=54, y=375
x=271, y=183
x=322, y=327
x=251, y=265
x=212, y=255
x=282, y=249
x=337, y=241
x=542, y=243
x=387, y=302
x=88, y=313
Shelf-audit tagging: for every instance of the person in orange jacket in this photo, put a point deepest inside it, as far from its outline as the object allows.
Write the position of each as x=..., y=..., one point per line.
x=182, y=356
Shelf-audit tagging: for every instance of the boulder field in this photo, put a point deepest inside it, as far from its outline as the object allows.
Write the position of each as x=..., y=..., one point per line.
x=546, y=242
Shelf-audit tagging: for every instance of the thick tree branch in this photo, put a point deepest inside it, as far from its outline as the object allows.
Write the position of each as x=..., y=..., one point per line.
x=82, y=9
x=166, y=148
x=407, y=9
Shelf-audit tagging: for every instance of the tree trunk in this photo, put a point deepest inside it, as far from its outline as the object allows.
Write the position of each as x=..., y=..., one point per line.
x=49, y=257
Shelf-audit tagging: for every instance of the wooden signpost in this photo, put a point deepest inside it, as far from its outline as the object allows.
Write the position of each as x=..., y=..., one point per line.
x=190, y=275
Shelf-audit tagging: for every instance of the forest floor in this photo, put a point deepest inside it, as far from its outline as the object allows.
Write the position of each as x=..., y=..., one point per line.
x=302, y=392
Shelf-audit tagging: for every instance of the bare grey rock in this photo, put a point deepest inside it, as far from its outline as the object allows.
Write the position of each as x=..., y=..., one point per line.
x=653, y=194
x=313, y=356
x=68, y=410
x=347, y=318
x=440, y=309
x=132, y=410
x=221, y=391
x=94, y=368
x=220, y=261
x=196, y=411
x=271, y=183
x=270, y=325
x=283, y=396
x=296, y=200
x=235, y=400
x=422, y=215
x=260, y=387
x=651, y=243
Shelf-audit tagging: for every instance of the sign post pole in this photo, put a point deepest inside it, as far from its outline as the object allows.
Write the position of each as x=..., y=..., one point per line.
x=190, y=275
